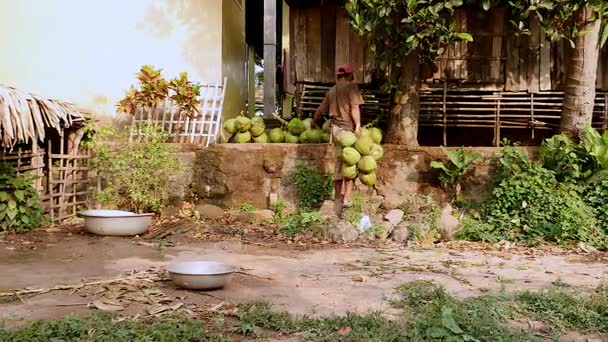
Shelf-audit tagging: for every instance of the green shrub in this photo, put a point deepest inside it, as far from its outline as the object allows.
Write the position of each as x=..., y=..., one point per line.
x=312, y=186
x=303, y=223
x=20, y=205
x=471, y=229
x=453, y=171
x=596, y=196
x=134, y=173
x=528, y=203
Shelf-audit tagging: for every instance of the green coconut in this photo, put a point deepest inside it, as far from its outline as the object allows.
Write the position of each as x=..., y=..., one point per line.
x=315, y=135
x=376, y=134
x=326, y=137
x=257, y=129
x=327, y=126
x=295, y=126
x=346, y=139
x=364, y=132
x=258, y=120
x=243, y=124
x=304, y=137
x=261, y=139
x=350, y=156
x=368, y=179
x=242, y=137
x=349, y=171
x=291, y=138
x=307, y=123
x=367, y=164
x=377, y=152
x=364, y=145
x=230, y=126
x=277, y=136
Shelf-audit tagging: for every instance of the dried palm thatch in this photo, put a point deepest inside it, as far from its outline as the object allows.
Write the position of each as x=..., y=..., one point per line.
x=24, y=117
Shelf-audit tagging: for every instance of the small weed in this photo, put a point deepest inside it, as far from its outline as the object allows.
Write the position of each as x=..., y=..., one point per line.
x=353, y=214
x=161, y=245
x=312, y=186
x=279, y=210
x=303, y=223
x=246, y=207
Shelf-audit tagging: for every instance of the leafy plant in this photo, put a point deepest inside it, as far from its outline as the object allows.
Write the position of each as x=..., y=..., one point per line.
x=134, y=174
x=20, y=205
x=528, y=203
x=569, y=160
x=471, y=229
x=185, y=94
x=152, y=89
x=452, y=172
x=279, y=210
x=303, y=223
x=312, y=186
x=247, y=207
x=395, y=29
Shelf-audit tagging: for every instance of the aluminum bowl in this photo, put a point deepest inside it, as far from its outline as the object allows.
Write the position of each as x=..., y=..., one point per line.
x=201, y=275
x=116, y=222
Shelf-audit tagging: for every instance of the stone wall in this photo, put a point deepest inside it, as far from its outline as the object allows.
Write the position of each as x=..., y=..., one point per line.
x=232, y=174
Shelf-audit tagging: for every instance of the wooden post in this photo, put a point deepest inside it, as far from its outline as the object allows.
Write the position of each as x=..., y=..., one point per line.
x=251, y=81
x=270, y=57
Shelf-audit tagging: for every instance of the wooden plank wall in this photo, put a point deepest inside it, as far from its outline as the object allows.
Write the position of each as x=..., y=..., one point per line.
x=321, y=40
x=497, y=59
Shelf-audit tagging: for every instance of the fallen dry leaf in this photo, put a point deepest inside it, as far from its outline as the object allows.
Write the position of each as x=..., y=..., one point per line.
x=344, y=331
x=359, y=279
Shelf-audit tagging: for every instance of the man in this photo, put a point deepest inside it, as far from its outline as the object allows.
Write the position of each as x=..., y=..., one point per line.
x=342, y=103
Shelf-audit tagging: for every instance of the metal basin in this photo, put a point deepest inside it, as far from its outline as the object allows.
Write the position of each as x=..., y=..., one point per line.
x=201, y=275
x=116, y=222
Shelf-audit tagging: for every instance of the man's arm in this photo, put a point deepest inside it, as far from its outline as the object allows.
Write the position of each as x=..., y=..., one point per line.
x=355, y=114
x=356, y=99
x=323, y=108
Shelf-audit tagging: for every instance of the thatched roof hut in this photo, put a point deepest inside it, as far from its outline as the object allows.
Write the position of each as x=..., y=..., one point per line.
x=24, y=117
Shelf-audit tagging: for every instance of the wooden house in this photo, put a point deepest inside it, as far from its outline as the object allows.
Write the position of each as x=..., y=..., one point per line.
x=500, y=85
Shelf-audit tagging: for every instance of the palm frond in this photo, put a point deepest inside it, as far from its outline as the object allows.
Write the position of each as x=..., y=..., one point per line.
x=24, y=116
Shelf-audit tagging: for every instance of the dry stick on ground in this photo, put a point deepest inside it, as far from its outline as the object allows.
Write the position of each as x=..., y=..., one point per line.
x=151, y=276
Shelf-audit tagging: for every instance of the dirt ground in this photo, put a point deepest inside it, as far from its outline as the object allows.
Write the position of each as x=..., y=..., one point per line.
x=318, y=281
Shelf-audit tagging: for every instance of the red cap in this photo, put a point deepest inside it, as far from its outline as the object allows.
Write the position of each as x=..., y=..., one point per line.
x=344, y=69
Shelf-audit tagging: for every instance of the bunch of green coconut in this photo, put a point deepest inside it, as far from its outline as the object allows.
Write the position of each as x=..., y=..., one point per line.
x=361, y=154
x=243, y=130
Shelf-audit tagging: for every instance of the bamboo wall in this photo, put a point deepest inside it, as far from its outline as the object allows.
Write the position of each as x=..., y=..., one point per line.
x=321, y=39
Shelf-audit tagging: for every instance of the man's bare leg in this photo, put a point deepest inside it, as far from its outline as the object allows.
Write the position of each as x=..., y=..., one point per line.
x=338, y=197
x=348, y=192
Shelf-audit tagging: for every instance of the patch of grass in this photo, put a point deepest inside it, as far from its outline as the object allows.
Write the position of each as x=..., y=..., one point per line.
x=246, y=207
x=101, y=328
x=435, y=315
x=567, y=308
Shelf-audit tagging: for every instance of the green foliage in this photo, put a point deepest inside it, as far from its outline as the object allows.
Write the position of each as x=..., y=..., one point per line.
x=134, y=173
x=555, y=16
x=452, y=172
x=549, y=200
x=303, y=223
x=100, y=328
x=20, y=205
x=312, y=186
x=472, y=229
x=596, y=196
x=394, y=29
x=532, y=205
x=568, y=160
x=245, y=207
x=279, y=210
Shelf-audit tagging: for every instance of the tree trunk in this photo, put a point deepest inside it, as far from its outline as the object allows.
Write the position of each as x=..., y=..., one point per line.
x=579, y=97
x=403, y=118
